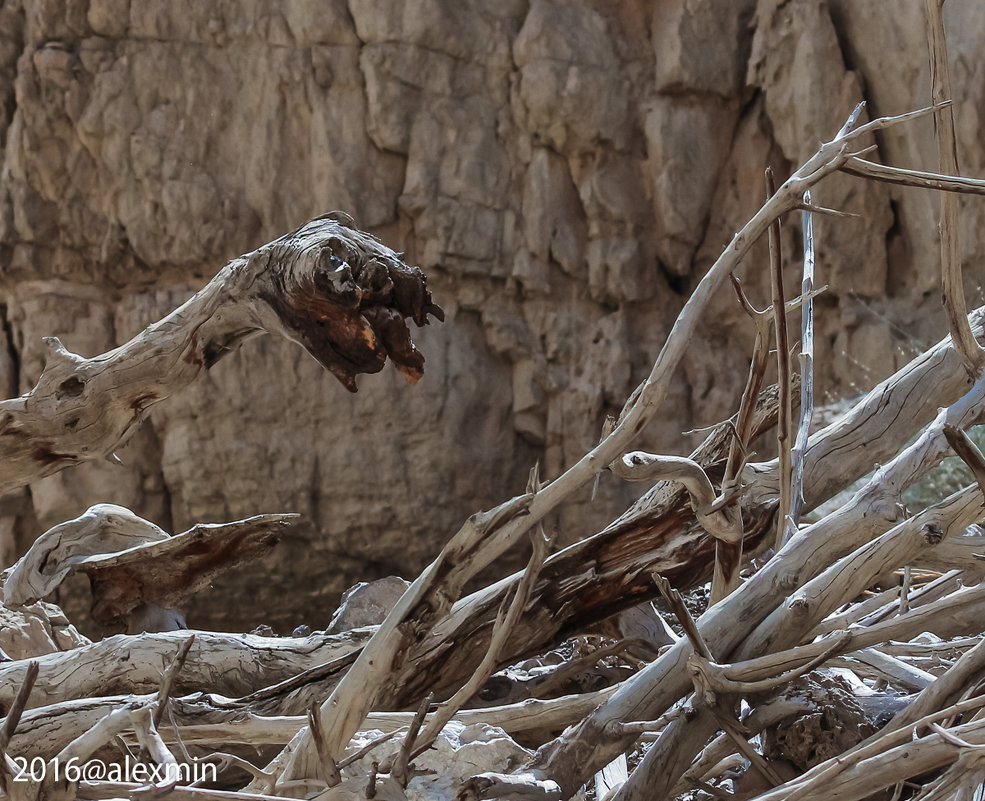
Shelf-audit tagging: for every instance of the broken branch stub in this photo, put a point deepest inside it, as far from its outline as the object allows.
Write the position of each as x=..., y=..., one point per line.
x=335, y=290
x=344, y=297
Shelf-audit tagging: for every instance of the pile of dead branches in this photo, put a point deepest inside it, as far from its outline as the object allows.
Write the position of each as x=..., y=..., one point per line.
x=847, y=664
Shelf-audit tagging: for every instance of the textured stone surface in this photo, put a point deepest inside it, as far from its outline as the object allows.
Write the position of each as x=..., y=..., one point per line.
x=35, y=630
x=367, y=603
x=564, y=171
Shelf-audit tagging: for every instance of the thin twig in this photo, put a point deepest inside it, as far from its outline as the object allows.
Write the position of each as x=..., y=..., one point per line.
x=754, y=382
x=164, y=692
x=639, y=727
x=224, y=761
x=13, y=718
x=401, y=764
x=724, y=678
x=607, y=425
x=964, y=447
x=676, y=603
x=808, y=208
x=785, y=418
x=20, y=704
x=177, y=736
x=355, y=756
x=150, y=740
x=904, y=593
x=861, y=168
x=564, y=672
x=714, y=792
x=799, y=449
x=326, y=762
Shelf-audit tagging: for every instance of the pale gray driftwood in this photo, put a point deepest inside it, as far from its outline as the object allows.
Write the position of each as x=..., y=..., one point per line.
x=227, y=664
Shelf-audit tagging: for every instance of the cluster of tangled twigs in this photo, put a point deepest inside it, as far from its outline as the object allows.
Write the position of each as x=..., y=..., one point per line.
x=881, y=681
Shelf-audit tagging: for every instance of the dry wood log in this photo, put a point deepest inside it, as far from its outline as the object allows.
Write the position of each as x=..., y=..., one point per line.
x=331, y=288
x=214, y=722
x=228, y=664
x=104, y=528
x=135, y=569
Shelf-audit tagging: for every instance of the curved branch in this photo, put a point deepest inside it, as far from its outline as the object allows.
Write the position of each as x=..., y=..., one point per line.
x=331, y=288
x=723, y=524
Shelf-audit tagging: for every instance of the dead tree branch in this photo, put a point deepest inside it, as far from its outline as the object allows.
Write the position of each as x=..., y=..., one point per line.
x=333, y=289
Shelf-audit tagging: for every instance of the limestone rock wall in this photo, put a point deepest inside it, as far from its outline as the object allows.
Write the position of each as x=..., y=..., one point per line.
x=564, y=172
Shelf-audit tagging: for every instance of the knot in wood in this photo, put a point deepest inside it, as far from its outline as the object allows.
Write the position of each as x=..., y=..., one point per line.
x=799, y=605
x=932, y=533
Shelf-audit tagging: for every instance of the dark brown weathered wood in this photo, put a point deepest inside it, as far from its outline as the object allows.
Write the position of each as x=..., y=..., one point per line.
x=166, y=573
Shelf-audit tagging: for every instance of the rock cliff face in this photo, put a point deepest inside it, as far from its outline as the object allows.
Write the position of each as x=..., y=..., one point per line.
x=563, y=171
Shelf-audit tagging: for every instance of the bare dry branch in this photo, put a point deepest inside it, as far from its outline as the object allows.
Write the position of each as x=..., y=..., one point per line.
x=402, y=762
x=329, y=770
x=785, y=421
x=963, y=446
x=952, y=287
x=12, y=720
x=326, y=271
x=167, y=681
x=806, y=372
x=724, y=678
